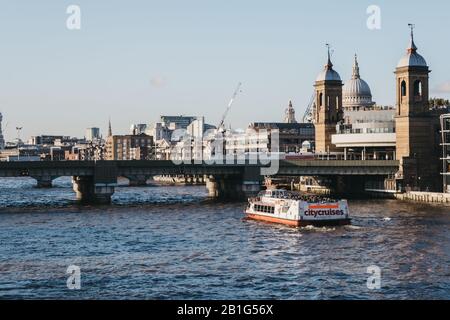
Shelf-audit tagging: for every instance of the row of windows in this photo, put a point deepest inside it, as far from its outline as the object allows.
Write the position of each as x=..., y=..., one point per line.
x=148, y=141
x=417, y=88
x=367, y=130
x=321, y=100
x=264, y=209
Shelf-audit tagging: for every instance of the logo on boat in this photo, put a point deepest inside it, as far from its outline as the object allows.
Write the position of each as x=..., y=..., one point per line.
x=324, y=210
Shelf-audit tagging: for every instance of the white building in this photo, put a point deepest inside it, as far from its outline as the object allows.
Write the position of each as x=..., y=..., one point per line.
x=159, y=131
x=137, y=129
x=92, y=134
x=2, y=140
x=248, y=142
x=290, y=114
x=196, y=128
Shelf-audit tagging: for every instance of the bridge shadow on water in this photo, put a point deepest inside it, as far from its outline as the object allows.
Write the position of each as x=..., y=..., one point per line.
x=22, y=195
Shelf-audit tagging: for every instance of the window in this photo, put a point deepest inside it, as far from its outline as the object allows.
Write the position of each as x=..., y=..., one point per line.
x=321, y=99
x=403, y=88
x=418, y=88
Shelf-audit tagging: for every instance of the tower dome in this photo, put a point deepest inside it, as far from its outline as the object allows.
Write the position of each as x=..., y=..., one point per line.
x=356, y=92
x=412, y=58
x=328, y=74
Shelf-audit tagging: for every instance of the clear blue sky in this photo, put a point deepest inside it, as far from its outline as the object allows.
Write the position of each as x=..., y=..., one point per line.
x=134, y=60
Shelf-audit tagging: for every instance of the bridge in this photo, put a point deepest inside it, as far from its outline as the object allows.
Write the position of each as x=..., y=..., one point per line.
x=95, y=181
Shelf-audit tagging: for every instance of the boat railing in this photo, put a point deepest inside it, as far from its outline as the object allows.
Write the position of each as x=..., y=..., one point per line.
x=289, y=195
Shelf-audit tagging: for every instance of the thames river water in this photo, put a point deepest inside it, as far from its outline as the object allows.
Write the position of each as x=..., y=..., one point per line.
x=161, y=242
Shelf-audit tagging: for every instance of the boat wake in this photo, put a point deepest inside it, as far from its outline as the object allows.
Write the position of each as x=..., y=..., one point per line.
x=317, y=229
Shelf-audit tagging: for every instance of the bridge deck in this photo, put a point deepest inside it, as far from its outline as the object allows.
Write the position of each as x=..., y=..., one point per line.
x=298, y=167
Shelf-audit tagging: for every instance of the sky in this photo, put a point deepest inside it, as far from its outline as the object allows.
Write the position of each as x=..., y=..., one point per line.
x=133, y=61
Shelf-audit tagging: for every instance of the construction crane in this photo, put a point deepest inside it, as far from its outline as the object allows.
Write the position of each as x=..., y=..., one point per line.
x=308, y=117
x=220, y=127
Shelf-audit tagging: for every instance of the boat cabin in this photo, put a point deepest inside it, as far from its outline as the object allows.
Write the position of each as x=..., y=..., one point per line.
x=276, y=194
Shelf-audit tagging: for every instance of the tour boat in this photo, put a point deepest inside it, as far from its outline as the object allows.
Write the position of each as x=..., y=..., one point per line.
x=297, y=210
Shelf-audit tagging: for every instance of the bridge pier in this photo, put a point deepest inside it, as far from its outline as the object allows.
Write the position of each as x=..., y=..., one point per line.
x=232, y=187
x=44, y=181
x=349, y=185
x=90, y=192
x=137, y=180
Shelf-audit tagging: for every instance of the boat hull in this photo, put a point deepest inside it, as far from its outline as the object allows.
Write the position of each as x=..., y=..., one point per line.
x=298, y=223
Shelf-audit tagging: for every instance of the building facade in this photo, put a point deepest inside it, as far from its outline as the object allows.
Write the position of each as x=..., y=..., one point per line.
x=129, y=147
x=291, y=135
x=51, y=140
x=367, y=135
x=445, y=139
x=93, y=134
x=242, y=144
x=139, y=128
x=90, y=151
x=177, y=122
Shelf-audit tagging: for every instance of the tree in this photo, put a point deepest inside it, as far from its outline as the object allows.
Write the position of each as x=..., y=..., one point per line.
x=439, y=103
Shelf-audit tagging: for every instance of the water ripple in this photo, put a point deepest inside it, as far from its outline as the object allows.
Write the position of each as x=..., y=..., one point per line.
x=172, y=243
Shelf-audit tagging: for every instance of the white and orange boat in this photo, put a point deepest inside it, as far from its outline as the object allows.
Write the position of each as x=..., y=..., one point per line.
x=297, y=210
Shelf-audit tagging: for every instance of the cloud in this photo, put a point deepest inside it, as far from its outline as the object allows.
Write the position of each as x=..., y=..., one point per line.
x=443, y=88
x=158, y=81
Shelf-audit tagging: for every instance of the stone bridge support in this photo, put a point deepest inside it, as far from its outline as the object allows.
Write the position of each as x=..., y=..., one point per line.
x=44, y=181
x=88, y=191
x=352, y=186
x=225, y=187
x=235, y=187
x=137, y=180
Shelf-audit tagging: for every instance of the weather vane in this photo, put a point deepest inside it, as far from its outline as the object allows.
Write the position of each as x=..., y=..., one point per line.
x=330, y=50
x=412, y=26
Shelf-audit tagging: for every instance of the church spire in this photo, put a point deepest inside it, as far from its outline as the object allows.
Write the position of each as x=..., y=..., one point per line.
x=109, y=128
x=290, y=114
x=412, y=46
x=356, y=74
x=329, y=64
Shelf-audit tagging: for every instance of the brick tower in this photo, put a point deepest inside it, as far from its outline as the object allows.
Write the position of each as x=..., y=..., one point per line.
x=417, y=146
x=328, y=111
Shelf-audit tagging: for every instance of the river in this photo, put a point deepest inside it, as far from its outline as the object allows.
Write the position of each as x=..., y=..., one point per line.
x=165, y=242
